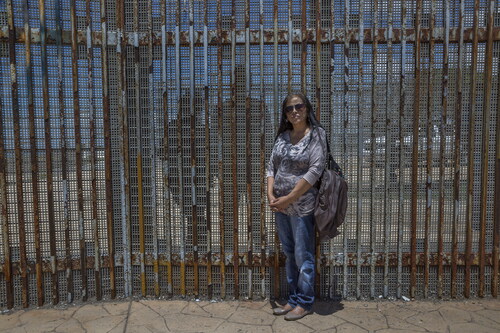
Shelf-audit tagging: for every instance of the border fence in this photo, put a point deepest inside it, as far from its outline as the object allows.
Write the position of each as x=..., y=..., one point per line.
x=134, y=137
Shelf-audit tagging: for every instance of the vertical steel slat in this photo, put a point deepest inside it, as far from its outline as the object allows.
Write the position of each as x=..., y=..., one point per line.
x=107, y=150
x=192, y=112
x=359, y=171
x=331, y=113
x=442, y=148
x=90, y=87
x=153, y=152
x=496, y=216
x=345, y=108
x=33, y=155
x=138, y=132
x=388, y=167
x=488, y=78
x=124, y=148
x=234, y=156
x=470, y=166
x=220, y=129
x=262, y=156
x=318, y=59
x=4, y=216
x=457, y=157
x=78, y=148
x=167, y=200
x=428, y=169
x=416, y=117
x=180, y=114
x=303, y=53
x=18, y=156
x=374, y=106
x=208, y=184
x=276, y=115
x=402, y=97
x=64, y=170
x=48, y=154
x=248, y=151
x=290, y=40
x=318, y=112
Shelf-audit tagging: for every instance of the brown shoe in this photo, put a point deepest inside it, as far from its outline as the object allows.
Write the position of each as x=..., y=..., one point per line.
x=297, y=313
x=281, y=310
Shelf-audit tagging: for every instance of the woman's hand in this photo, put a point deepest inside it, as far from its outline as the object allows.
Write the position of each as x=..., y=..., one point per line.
x=280, y=204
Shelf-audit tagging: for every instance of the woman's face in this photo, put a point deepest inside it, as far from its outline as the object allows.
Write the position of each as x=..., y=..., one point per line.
x=296, y=111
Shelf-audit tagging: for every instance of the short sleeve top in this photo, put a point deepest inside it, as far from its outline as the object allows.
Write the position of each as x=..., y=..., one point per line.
x=289, y=163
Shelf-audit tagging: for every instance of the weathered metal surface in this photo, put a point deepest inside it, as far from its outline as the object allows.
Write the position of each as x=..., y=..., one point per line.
x=488, y=79
x=415, y=136
x=107, y=150
x=93, y=154
x=18, y=156
x=456, y=157
x=397, y=225
x=33, y=157
x=470, y=151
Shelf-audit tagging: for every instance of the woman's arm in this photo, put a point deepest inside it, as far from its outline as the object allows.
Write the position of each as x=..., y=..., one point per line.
x=283, y=202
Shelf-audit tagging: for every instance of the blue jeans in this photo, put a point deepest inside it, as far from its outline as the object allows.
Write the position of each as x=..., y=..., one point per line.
x=297, y=236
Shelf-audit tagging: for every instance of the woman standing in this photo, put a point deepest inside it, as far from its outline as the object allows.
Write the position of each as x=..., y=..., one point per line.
x=297, y=161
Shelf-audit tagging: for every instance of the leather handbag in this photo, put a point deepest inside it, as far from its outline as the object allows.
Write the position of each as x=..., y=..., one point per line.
x=331, y=202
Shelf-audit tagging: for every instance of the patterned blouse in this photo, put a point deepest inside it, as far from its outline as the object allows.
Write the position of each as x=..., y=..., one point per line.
x=289, y=163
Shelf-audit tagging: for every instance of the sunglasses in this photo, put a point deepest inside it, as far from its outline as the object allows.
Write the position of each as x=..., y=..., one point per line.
x=298, y=107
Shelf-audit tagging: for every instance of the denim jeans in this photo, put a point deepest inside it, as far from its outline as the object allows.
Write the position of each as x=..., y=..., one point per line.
x=297, y=235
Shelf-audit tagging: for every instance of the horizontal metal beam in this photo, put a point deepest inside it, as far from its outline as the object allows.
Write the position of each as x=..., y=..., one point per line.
x=325, y=260
x=369, y=35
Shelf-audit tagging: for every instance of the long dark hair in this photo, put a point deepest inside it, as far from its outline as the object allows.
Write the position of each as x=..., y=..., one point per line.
x=311, y=117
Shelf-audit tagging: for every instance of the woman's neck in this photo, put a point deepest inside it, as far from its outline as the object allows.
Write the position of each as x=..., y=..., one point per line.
x=300, y=128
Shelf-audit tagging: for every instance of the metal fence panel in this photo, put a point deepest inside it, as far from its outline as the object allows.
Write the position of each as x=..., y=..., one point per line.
x=134, y=137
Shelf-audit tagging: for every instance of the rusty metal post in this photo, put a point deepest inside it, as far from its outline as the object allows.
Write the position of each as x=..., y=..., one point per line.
x=140, y=187
x=345, y=108
x=107, y=149
x=303, y=53
x=488, y=78
x=153, y=152
x=18, y=156
x=208, y=177
x=124, y=148
x=456, y=161
x=429, y=141
x=78, y=149
x=389, y=120
x=166, y=148
x=373, y=111
x=192, y=116
x=93, y=142
x=33, y=155
x=48, y=153
x=402, y=96
x=4, y=217
x=359, y=166
x=470, y=165
x=248, y=164
x=234, y=156
x=416, y=117
x=317, y=256
x=64, y=172
x=276, y=118
x=262, y=161
x=180, y=114
x=220, y=168
x=442, y=149
x=496, y=216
